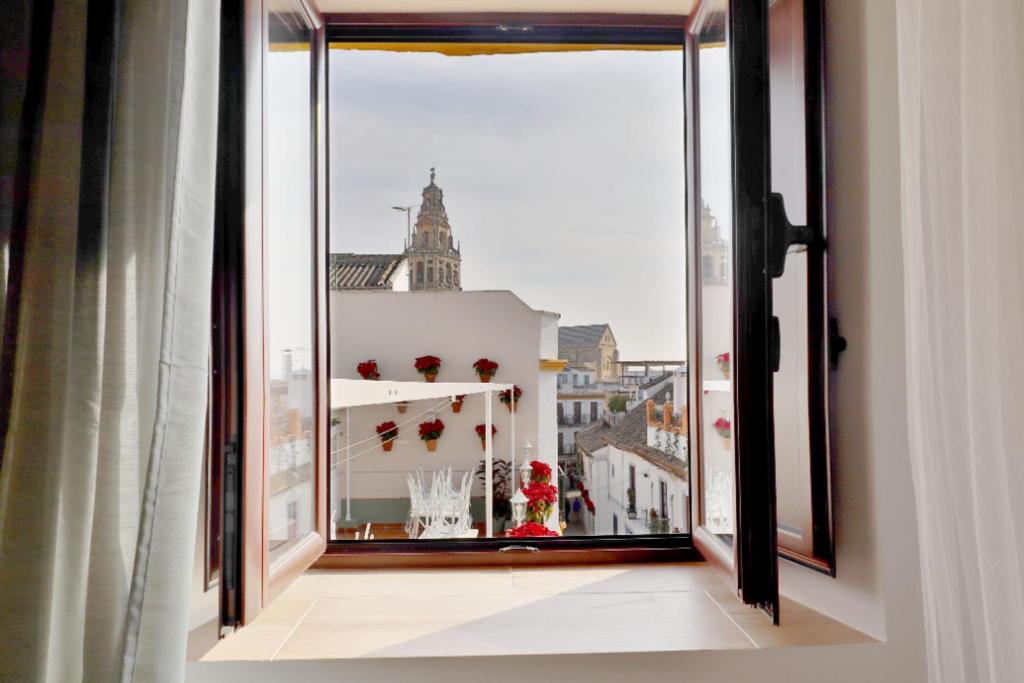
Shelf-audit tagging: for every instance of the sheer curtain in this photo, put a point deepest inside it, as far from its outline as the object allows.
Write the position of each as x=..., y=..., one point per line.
x=100, y=477
x=961, y=65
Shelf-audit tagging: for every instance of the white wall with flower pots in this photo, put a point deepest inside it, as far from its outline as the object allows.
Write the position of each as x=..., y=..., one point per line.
x=394, y=328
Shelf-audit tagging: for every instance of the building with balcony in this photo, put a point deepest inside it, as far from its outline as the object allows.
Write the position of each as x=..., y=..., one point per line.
x=637, y=471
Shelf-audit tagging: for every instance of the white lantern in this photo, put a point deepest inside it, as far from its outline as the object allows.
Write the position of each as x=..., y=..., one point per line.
x=519, y=507
x=524, y=474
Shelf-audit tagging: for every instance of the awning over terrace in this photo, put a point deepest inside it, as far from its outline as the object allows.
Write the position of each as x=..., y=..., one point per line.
x=354, y=393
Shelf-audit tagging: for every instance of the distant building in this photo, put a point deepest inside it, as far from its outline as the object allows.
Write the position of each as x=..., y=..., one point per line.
x=592, y=347
x=389, y=272
x=581, y=402
x=714, y=250
x=435, y=261
x=645, y=452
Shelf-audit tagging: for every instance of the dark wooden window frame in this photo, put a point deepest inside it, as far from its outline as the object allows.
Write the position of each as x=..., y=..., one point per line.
x=608, y=29
x=821, y=349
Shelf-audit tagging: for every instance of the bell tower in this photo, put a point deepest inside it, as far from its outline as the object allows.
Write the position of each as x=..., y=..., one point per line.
x=435, y=260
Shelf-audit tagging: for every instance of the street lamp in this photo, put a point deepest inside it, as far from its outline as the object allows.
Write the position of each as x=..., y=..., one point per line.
x=408, y=222
x=524, y=474
x=519, y=507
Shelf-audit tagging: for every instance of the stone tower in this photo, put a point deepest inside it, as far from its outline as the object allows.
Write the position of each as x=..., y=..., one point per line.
x=435, y=262
x=714, y=250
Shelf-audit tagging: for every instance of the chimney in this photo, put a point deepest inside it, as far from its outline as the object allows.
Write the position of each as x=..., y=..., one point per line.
x=666, y=415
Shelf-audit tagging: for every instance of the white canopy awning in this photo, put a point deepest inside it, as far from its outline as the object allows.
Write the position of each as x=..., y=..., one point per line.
x=350, y=393
x=353, y=393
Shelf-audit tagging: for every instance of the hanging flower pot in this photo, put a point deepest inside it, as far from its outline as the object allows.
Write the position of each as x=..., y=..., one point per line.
x=722, y=360
x=724, y=429
x=430, y=432
x=402, y=406
x=485, y=369
x=388, y=432
x=510, y=397
x=368, y=369
x=457, y=403
x=481, y=431
x=428, y=366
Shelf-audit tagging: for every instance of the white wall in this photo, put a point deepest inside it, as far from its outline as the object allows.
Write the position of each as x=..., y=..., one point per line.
x=607, y=475
x=458, y=327
x=878, y=568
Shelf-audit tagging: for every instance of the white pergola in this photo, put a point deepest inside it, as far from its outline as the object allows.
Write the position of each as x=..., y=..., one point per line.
x=353, y=393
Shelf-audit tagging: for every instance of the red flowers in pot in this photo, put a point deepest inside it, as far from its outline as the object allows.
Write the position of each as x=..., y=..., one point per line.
x=457, y=403
x=388, y=432
x=722, y=360
x=510, y=397
x=485, y=369
x=481, y=431
x=528, y=529
x=539, y=472
x=368, y=369
x=430, y=432
x=428, y=366
x=540, y=500
x=723, y=427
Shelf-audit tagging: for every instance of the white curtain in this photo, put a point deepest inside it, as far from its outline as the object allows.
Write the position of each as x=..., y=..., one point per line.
x=101, y=469
x=961, y=72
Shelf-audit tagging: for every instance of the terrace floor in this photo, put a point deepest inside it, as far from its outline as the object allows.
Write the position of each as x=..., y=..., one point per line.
x=342, y=614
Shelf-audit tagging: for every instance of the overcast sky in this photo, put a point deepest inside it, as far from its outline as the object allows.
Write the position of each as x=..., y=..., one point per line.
x=562, y=176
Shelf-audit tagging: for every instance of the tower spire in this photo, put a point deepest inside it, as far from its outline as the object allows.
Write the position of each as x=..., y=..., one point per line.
x=431, y=175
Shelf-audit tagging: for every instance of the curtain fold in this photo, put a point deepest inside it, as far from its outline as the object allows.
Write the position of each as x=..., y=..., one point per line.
x=101, y=473
x=961, y=71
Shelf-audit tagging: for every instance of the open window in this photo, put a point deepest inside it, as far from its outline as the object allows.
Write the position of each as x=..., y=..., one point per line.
x=316, y=445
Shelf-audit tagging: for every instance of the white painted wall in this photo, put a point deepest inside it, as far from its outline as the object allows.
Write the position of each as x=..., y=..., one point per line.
x=878, y=568
x=607, y=476
x=458, y=327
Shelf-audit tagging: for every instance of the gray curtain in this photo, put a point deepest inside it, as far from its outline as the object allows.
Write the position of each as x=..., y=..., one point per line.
x=101, y=469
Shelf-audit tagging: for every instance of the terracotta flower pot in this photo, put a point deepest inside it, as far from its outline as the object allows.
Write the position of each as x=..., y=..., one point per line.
x=402, y=406
x=431, y=445
x=485, y=378
x=513, y=406
x=430, y=376
x=727, y=442
x=388, y=445
x=483, y=444
x=457, y=407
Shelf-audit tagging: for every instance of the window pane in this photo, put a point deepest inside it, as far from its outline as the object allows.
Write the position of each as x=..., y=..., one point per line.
x=289, y=283
x=716, y=287
x=450, y=238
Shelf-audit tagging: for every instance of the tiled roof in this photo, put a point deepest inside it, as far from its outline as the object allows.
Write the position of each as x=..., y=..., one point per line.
x=581, y=335
x=363, y=271
x=630, y=434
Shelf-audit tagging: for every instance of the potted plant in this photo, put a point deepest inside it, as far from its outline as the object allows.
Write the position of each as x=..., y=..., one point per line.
x=722, y=360
x=510, y=397
x=501, y=495
x=540, y=497
x=388, y=432
x=481, y=431
x=402, y=406
x=485, y=369
x=368, y=369
x=457, y=403
x=540, y=472
x=631, y=497
x=428, y=366
x=430, y=431
x=724, y=429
